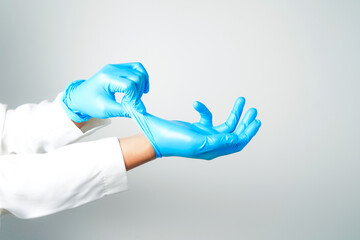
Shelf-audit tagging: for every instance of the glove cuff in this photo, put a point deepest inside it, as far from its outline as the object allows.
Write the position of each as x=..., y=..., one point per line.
x=141, y=121
x=76, y=116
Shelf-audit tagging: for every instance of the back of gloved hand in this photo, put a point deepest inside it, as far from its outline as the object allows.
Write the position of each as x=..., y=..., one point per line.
x=199, y=140
x=95, y=97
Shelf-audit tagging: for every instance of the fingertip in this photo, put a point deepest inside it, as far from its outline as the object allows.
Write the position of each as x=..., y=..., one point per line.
x=250, y=116
x=240, y=100
x=140, y=109
x=253, y=128
x=239, y=106
x=253, y=111
x=199, y=106
x=140, y=106
x=258, y=122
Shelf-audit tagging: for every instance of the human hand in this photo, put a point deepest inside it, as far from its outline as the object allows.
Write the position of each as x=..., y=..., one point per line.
x=95, y=97
x=199, y=140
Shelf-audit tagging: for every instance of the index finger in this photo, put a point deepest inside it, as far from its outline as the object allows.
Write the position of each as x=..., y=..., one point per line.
x=234, y=117
x=139, y=67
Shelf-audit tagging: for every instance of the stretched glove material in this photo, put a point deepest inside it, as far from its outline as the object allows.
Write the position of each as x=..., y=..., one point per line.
x=198, y=140
x=95, y=97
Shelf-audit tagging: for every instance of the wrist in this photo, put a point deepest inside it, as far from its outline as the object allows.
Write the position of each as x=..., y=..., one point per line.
x=79, y=125
x=67, y=105
x=136, y=150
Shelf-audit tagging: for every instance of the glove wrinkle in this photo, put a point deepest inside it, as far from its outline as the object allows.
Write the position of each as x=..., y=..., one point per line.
x=142, y=122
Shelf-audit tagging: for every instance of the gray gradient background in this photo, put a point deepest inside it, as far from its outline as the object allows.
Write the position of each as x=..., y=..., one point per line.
x=297, y=62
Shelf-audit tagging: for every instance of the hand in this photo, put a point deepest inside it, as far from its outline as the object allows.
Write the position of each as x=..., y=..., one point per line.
x=199, y=140
x=95, y=97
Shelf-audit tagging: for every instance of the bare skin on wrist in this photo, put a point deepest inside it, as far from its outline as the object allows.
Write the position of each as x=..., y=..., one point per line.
x=79, y=125
x=136, y=150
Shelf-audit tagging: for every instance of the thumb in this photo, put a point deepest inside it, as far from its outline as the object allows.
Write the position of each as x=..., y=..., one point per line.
x=205, y=114
x=138, y=105
x=115, y=109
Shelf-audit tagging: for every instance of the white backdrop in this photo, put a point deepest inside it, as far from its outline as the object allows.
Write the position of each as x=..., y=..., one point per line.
x=297, y=62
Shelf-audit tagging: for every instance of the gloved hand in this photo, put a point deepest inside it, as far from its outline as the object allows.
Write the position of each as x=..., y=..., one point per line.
x=199, y=140
x=95, y=97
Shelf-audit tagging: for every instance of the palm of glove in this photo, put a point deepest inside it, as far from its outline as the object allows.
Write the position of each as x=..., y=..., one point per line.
x=202, y=139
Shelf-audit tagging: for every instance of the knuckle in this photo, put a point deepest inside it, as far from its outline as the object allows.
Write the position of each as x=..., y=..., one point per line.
x=131, y=84
x=107, y=67
x=253, y=111
x=138, y=76
x=138, y=64
x=102, y=76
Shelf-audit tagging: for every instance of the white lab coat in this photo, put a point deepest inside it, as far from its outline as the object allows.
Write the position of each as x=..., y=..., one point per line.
x=39, y=175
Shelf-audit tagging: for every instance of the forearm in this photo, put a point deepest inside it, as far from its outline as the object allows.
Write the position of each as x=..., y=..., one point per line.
x=75, y=174
x=34, y=185
x=136, y=150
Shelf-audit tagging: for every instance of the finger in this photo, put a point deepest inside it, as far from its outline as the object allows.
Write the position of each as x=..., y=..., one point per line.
x=129, y=82
x=233, y=119
x=122, y=70
x=139, y=78
x=226, y=143
x=205, y=114
x=139, y=67
x=249, y=116
x=250, y=132
x=126, y=86
x=131, y=92
x=115, y=73
x=140, y=107
x=134, y=75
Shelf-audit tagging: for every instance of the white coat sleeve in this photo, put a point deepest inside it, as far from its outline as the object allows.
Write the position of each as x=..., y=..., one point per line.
x=40, y=128
x=34, y=185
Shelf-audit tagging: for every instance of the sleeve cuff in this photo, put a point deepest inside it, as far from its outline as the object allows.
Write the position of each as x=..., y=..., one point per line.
x=114, y=169
x=73, y=132
x=75, y=175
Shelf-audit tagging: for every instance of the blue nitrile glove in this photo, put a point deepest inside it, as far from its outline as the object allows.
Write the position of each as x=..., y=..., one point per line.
x=95, y=97
x=199, y=140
